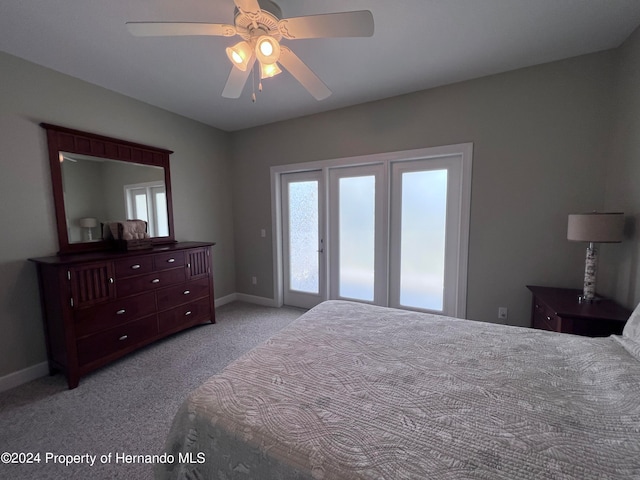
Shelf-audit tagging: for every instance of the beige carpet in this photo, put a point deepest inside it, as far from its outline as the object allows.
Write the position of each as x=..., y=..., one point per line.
x=125, y=408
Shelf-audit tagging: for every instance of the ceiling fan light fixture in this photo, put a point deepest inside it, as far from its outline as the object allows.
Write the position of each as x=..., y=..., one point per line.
x=261, y=26
x=239, y=55
x=267, y=50
x=269, y=70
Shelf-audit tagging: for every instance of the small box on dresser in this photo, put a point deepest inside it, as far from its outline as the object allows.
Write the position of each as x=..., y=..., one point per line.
x=100, y=306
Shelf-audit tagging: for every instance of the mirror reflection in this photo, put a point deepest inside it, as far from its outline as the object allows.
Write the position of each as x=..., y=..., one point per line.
x=97, y=191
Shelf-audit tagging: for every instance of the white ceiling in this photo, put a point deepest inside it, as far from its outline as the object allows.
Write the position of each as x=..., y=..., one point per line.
x=417, y=44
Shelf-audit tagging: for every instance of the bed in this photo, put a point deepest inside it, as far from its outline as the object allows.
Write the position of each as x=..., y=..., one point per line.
x=354, y=391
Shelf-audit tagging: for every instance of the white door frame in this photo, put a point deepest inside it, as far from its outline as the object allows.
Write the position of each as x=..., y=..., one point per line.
x=463, y=150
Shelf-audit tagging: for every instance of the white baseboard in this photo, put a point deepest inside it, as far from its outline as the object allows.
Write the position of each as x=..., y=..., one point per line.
x=23, y=376
x=243, y=297
x=224, y=300
x=41, y=369
x=265, y=302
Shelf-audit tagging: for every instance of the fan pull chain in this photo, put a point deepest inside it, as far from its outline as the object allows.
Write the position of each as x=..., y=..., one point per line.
x=253, y=84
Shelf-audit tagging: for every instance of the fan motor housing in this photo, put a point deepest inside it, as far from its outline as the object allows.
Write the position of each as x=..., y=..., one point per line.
x=256, y=24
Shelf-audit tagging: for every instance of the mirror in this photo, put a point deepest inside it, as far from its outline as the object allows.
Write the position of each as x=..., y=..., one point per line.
x=99, y=179
x=98, y=190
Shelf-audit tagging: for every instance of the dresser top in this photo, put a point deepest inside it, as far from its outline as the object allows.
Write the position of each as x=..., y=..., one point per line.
x=564, y=303
x=116, y=254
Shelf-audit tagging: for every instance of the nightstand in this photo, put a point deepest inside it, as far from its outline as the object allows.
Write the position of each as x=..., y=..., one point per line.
x=558, y=310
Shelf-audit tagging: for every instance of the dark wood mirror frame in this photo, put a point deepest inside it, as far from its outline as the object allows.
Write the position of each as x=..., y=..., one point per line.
x=62, y=139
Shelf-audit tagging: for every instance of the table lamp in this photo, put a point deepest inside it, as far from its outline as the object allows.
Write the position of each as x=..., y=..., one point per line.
x=594, y=228
x=88, y=223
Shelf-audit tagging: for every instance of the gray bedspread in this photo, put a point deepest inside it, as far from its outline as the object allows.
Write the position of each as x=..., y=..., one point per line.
x=351, y=391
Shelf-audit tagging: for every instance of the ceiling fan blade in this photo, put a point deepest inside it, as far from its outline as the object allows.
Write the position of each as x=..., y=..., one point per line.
x=346, y=24
x=248, y=6
x=303, y=74
x=237, y=79
x=161, y=29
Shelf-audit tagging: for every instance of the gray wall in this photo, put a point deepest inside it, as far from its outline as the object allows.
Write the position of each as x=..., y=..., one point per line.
x=84, y=196
x=200, y=169
x=539, y=138
x=619, y=275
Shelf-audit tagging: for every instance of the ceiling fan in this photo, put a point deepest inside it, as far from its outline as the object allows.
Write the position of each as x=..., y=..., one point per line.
x=260, y=25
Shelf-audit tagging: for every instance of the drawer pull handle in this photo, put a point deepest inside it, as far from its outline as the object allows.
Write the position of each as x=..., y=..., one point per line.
x=110, y=279
x=548, y=318
x=171, y=260
x=123, y=337
x=136, y=266
x=155, y=280
x=188, y=313
x=186, y=292
x=120, y=312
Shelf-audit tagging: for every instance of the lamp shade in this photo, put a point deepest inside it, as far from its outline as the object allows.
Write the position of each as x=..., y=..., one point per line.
x=267, y=50
x=240, y=55
x=88, y=222
x=596, y=227
x=268, y=71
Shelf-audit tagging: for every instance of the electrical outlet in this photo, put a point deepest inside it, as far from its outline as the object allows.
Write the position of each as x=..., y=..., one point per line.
x=254, y=280
x=503, y=313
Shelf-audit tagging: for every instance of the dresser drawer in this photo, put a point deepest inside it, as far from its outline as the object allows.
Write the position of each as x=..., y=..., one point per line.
x=544, y=318
x=188, y=314
x=163, y=261
x=179, y=294
x=134, y=266
x=143, y=283
x=115, y=339
x=96, y=319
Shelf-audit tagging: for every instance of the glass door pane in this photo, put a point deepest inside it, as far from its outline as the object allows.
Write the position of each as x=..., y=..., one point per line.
x=422, y=237
x=160, y=208
x=303, y=236
x=357, y=237
x=140, y=206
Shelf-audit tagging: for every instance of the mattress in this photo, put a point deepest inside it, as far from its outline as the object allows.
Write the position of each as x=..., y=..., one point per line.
x=353, y=391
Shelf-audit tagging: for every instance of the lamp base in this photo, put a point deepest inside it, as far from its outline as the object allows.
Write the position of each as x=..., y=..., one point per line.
x=583, y=299
x=590, y=273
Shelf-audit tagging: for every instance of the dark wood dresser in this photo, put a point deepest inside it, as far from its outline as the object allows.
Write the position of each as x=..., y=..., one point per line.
x=101, y=306
x=558, y=310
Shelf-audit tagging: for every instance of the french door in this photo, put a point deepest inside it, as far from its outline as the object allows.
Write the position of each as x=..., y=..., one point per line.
x=303, y=246
x=425, y=234
x=392, y=232
x=357, y=239
x=148, y=202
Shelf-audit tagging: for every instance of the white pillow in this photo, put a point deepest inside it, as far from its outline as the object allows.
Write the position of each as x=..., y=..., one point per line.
x=632, y=327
